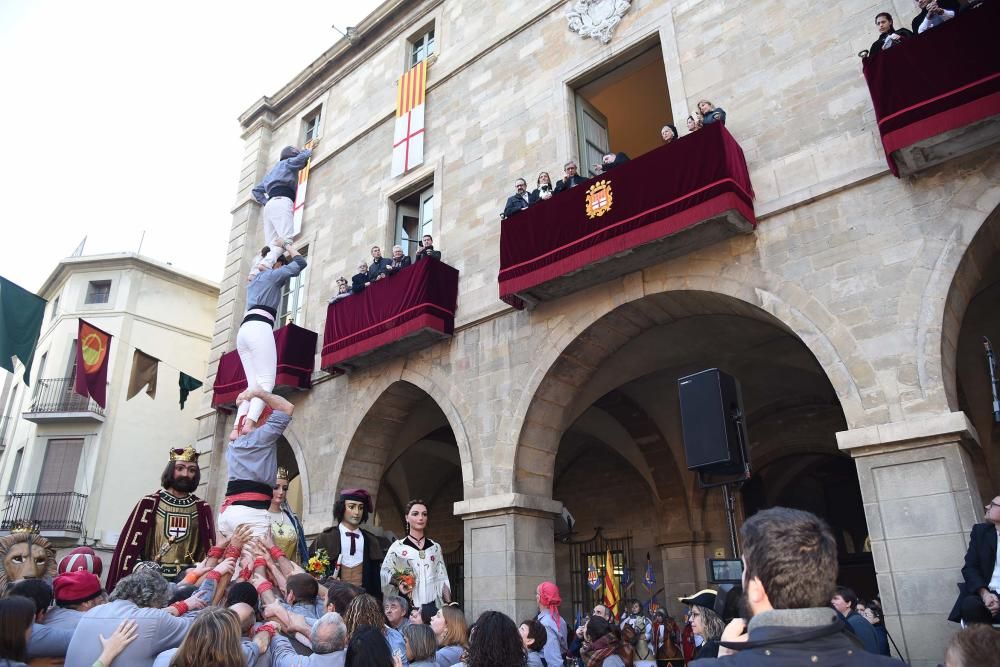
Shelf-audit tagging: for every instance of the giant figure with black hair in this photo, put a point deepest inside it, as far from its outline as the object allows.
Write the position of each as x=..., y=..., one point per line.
x=354, y=554
x=172, y=527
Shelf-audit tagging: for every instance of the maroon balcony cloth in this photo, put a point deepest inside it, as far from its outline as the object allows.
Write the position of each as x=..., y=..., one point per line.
x=421, y=296
x=940, y=80
x=653, y=196
x=296, y=362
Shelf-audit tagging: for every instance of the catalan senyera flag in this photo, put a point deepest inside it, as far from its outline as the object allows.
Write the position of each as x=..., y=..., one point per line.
x=93, y=347
x=612, y=591
x=300, y=196
x=408, y=137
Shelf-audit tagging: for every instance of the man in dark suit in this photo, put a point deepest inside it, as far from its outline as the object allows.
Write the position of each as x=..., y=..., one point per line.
x=518, y=201
x=978, y=602
x=379, y=265
x=398, y=262
x=571, y=179
x=427, y=249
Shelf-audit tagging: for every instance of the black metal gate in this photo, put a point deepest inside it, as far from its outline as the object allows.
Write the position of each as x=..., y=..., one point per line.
x=594, y=551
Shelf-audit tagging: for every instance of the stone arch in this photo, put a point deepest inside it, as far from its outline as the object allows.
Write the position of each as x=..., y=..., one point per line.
x=572, y=353
x=973, y=264
x=391, y=401
x=295, y=445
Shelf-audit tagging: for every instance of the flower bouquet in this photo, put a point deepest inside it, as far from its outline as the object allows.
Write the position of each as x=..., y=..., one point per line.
x=319, y=563
x=404, y=580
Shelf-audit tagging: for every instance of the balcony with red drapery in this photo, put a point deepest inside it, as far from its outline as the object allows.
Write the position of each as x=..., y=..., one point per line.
x=405, y=312
x=675, y=199
x=937, y=95
x=296, y=362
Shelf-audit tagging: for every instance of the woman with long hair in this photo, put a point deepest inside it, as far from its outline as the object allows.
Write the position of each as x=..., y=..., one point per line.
x=533, y=635
x=495, y=642
x=604, y=645
x=214, y=641
x=705, y=623
x=286, y=529
x=414, y=566
x=365, y=610
x=452, y=634
x=421, y=645
x=17, y=614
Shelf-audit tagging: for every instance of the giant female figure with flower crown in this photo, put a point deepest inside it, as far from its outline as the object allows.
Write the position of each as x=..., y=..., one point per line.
x=414, y=566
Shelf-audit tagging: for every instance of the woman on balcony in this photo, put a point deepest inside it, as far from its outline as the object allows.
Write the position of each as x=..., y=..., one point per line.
x=414, y=566
x=286, y=529
x=255, y=339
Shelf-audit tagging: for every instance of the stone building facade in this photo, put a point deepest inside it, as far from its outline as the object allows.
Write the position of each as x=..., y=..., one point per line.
x=852, y=315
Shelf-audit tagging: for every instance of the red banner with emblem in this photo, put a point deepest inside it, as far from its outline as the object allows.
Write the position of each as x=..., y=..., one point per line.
x=93, y=347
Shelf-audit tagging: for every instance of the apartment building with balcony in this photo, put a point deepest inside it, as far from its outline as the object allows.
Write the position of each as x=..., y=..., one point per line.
x=67, y=464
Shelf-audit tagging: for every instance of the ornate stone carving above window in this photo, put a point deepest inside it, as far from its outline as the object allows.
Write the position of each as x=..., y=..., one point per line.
x=596, y=18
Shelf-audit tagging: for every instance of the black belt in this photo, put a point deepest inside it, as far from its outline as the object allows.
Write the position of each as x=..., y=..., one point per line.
x=281, y=191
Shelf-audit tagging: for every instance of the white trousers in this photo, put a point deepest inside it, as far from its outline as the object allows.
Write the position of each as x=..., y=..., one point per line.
x=235, y=515
x=255, y=345
x=278, y=223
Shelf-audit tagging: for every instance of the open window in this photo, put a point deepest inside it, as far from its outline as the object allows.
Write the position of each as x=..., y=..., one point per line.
x=293, y=298
x=414, y=219
x=311, y=125
x=622, y=105
x=421, y=46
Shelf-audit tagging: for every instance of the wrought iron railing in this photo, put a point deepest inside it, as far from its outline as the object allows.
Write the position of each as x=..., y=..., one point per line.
x=49, y=511
x=57, y=395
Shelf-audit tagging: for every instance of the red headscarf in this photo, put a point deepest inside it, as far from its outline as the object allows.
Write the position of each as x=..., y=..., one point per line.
x=548, y=595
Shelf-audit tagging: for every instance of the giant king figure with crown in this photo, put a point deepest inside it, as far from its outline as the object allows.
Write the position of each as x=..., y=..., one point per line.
x=172, y=527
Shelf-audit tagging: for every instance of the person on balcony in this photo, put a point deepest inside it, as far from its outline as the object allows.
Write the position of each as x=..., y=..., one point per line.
x=343, y=290
x=255, y=339
x=427, y=249
x=609, y=161
x=379, y=265
x=398, y=262
x=276, y=193
x=359, y=280
x=711, y=113
x=668, y=132
x=543, y=189
x=518, y=201
x=933, y=13
x=571, y=178
x=694, y=123
x=172, y=527
x=888, y=36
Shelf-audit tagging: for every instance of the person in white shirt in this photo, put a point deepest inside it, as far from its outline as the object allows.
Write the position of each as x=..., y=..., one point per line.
x=354, y=554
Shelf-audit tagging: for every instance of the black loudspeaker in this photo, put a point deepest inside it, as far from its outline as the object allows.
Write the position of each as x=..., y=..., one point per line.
x=712, y=422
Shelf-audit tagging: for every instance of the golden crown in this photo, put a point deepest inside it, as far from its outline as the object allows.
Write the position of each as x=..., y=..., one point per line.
x=184, y=454
x=283, y=473
x=25, y=526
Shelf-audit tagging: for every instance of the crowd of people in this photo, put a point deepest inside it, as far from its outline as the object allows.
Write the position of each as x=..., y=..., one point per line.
x=346, y=602
x=522, y=198
x=930, y=14
x=383, y=267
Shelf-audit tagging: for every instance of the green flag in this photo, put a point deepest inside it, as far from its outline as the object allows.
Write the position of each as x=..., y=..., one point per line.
x=21, y=315
x=187, y=385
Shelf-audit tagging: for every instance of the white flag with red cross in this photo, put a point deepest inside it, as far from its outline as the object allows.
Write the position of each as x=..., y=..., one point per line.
x=408, y=137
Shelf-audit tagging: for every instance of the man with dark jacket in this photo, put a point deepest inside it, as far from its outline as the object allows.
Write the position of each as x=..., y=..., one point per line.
x=355, y=554
x=378, y=268
x=845, y=602
x=789, y=570
x=571, y=179
x=933, y=13
x=427, y=249
x=978, y=601
x=518, y=201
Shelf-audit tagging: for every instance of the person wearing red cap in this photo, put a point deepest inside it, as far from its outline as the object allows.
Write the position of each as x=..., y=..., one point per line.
x=76, y=592
x=549, y=600
x=81, y=558
x=355, y=555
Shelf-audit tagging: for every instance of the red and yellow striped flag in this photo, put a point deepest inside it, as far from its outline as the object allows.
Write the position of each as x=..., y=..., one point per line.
x=408, y=135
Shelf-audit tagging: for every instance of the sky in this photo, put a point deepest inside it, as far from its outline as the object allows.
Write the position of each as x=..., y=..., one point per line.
x=118, y=118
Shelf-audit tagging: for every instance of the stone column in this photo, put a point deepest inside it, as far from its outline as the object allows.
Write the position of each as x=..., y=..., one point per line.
x=509, y=550
x=683, y=569
x=921, y=499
